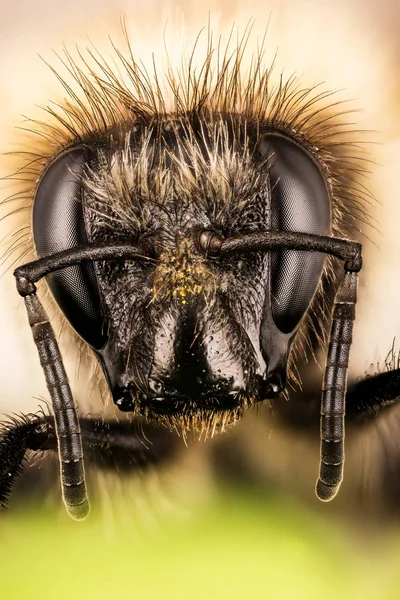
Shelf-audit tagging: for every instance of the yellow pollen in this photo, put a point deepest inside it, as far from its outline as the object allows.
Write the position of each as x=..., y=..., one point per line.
x=180, y=273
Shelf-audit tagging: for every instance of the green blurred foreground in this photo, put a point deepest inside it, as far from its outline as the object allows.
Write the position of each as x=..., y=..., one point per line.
x=237, y=548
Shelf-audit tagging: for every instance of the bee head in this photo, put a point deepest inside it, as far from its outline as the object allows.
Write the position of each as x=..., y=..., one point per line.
x=183, y=331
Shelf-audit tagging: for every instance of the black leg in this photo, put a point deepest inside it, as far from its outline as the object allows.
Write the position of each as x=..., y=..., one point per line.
x=127, y=445
x=16, y=437
x=368, y=397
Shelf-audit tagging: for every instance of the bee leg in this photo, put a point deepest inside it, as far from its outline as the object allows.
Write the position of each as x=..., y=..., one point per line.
x=127, y=445
x=366, y=398
x=17, y=436
x=109, y=444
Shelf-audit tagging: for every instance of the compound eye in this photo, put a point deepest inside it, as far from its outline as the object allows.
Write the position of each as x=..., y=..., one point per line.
x=300, y=201
x=58, y=224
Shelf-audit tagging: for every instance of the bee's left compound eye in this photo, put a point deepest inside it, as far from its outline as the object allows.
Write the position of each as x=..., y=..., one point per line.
x=58, y=224
x=300, y=202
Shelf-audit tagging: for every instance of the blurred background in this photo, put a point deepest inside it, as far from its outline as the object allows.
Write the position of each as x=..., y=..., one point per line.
x=235, y=517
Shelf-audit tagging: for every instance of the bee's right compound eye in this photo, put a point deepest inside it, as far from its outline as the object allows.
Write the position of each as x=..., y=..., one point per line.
x=58, y=224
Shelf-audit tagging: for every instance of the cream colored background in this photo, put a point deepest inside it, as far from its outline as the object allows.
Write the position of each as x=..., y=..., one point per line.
x=351, y=45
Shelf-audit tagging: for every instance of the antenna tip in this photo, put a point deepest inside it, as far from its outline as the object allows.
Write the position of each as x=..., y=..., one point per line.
x=326, y=492
x=78, y=512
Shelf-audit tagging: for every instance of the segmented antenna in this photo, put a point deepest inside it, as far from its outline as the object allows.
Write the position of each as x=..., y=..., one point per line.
x=69, y=439
x=334, y=389
x=68, y=431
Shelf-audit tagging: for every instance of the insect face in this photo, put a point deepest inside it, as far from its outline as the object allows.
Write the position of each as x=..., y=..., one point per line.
x=184, y=332
x=182, y=231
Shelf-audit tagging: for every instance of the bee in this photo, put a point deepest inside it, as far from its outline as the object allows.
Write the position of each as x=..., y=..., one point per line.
x=198, y=228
